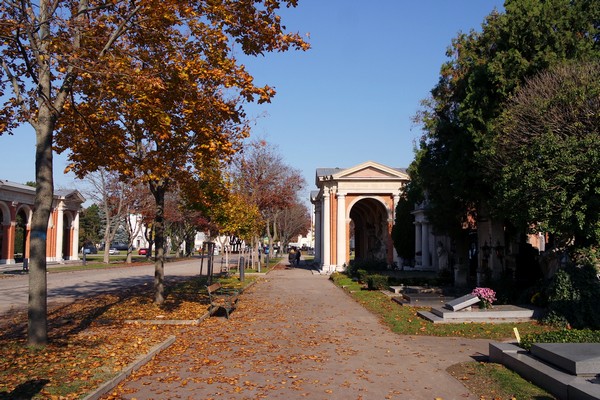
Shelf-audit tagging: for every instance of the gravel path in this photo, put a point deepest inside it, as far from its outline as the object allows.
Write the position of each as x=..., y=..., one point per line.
x=294, y=336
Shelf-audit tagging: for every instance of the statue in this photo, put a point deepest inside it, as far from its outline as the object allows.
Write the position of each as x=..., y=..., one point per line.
x=442, y=256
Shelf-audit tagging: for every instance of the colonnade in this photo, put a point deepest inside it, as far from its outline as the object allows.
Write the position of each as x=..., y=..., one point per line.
x=62, y=236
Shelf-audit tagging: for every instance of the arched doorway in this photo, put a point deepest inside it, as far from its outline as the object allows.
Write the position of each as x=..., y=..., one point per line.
x=20, y=236
x=370, y=236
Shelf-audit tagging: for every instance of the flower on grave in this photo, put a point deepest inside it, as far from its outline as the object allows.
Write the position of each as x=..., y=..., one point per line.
x=486, y=295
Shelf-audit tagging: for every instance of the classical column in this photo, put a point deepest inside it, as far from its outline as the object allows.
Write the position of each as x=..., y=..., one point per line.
x=4, y=247
x=75, y=242
x=418, y=244
x=10, y=242
x=326, y=230
x=425, y=246
x=318, y=232
x=59, y=232
x=341, y=230
x=393, y=218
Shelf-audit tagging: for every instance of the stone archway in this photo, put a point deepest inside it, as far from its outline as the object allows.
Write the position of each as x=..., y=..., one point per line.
x=354, y=210
x=369, y=219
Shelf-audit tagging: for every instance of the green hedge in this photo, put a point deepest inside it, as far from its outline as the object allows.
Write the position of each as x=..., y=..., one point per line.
x=563, y=336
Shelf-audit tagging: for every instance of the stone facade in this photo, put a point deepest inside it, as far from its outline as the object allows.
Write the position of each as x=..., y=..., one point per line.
x=354, y=213
x=16, y=209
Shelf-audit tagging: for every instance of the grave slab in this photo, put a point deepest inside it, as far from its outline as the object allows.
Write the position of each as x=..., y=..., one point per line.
x=462, y=302
x=582, y=359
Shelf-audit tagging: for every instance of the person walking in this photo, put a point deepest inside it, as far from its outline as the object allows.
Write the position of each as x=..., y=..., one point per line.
x=298, y=255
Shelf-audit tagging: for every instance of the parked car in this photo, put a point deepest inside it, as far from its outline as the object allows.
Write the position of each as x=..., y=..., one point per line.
x=90, y=249
x=143, y=252
x=119, y=246
x=113, y=251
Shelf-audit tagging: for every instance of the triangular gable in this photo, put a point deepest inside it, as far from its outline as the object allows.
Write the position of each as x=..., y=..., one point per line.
x=70, y=195
x=370, y=170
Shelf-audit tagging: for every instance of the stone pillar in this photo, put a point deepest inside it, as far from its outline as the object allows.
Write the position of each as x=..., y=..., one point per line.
x=326, y=231
x=75, y=236
x=418, y=236
x=318, y=232
x=418, y=244
x=341, y=230
x=393, y=218
x=59, y=231
x=10, y=242
x=425, y=254
x=4, y=256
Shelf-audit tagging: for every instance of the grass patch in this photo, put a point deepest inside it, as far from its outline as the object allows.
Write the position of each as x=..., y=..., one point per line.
x=404, y=319
x=494, y=381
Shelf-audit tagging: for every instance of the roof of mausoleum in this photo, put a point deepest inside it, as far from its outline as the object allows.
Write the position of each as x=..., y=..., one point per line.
x=366, y=170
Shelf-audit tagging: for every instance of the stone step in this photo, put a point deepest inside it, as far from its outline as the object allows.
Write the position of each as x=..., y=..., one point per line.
x=431, y=317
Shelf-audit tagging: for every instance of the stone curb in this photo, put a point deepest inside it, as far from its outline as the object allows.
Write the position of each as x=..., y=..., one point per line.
x=135, y=365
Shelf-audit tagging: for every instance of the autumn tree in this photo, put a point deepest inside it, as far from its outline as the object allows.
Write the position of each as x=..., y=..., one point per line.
x=109, y=194
x=168, y=104
x=182, y=220
x=45, y=45
x=261, y=175
x=292, y=222
x=485, y=68
x=548, y=156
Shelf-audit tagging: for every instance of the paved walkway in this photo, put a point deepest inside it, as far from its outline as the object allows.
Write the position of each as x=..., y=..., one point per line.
x=297, y=336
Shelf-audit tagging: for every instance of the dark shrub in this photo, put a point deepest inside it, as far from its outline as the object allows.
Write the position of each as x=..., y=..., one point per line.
x=377, y=282
x=362, y=275
x=367, y=265
x=573, y=294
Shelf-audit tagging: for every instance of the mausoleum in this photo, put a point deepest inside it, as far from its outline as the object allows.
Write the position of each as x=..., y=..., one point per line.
x=16, y=209
x=354, y=213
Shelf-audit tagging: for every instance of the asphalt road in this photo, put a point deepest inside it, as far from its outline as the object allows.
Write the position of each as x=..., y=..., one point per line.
x=71, y=285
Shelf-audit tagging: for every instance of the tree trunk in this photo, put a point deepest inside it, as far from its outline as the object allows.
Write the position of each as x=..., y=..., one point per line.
x=158, y=190
x=37, y=333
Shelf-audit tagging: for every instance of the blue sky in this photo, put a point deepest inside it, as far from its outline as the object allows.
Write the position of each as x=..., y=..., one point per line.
x=347, y=100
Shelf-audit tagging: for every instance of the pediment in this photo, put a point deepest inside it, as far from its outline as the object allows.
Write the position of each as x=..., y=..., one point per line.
x=370, y=170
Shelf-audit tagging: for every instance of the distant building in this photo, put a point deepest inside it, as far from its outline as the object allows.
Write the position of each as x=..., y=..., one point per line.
x=16, y=210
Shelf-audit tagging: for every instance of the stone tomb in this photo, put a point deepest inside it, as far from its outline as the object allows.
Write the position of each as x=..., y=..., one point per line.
x=581, y=359
x=459, y=310
x=419, y=296
x=567, y=370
